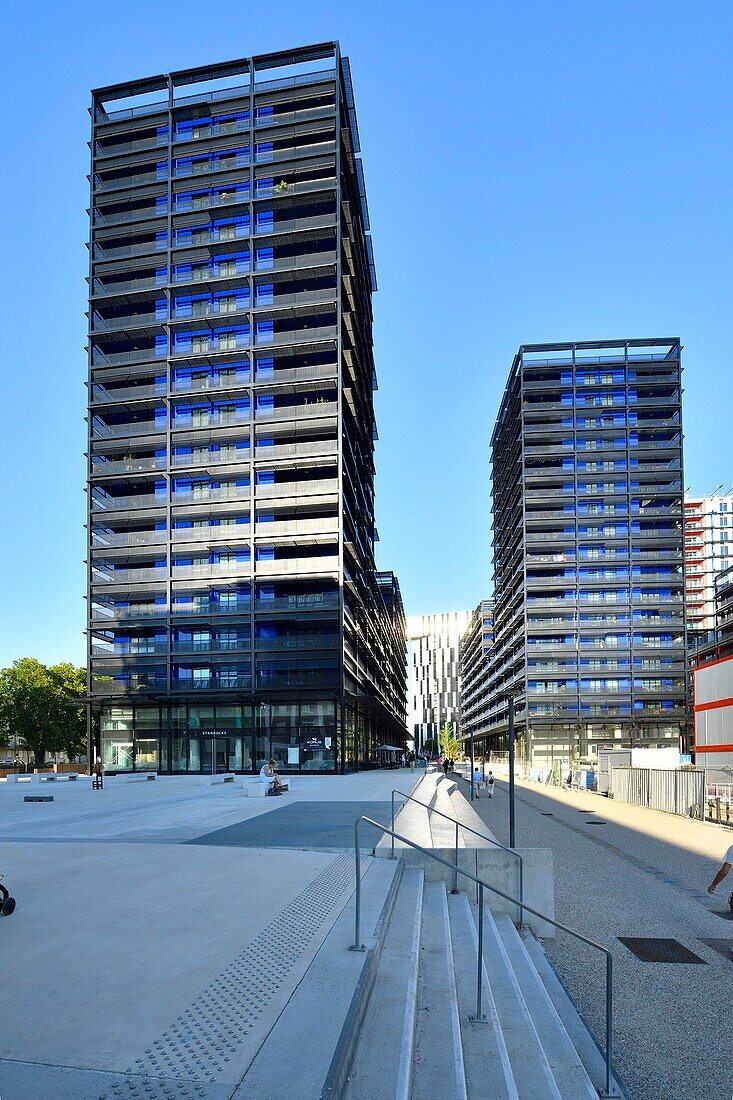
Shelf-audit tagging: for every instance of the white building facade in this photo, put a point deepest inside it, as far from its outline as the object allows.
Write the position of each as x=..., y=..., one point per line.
x=434, y=673
x=708, y=551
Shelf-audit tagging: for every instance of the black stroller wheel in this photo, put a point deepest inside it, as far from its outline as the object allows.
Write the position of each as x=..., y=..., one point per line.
x=8, y=906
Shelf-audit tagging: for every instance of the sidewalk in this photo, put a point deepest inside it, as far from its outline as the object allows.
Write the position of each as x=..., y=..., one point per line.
x=641, y=874
x=140, y=964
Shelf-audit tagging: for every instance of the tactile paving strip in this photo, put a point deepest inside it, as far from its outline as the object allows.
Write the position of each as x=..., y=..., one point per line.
x=194, y=1051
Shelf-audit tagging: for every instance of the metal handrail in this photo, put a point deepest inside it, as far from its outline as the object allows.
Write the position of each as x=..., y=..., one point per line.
x=610, y=1089
x=491, y=840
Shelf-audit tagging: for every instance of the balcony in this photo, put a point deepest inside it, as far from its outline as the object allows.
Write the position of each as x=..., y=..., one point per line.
x=103, y=152
x=102, y=466
x=136, y=685
x=313, y=410
x=127, y=286
x=283, y=118
x=121, y=183
x=204, y=495
x=195, y=171
x=214, y=682
x=155, y=574
x=183, y=204
x=297, y=225
x=300, y=641
x=229, y=455
x=297, y=489
x=232, y=533
x=311, y=602
x=277, y=528
x=103, y=396
x=105, y=614
x=212, y=645
x=139, y=214
x=103, y=540
x=239, y=340
x=133, y=355
x=299, y=566
x=120, y=252
x=225, y=419
x=295, y=152
x=211, y=608
x=212, y=571
x=296, y=450
x=120, y=504
x=129, y=321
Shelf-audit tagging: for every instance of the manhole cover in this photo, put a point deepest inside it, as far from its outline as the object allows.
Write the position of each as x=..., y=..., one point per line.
x=659, y=950
x=723, y=947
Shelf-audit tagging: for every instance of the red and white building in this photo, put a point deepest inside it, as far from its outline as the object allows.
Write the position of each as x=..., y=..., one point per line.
x=708, y=551
x=713, y=706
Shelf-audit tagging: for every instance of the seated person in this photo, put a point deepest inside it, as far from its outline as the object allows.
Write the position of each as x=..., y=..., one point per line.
x=269, y=775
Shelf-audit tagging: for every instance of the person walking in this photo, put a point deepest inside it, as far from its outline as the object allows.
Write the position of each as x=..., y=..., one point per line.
x=446, y=766
x=723, y=871
x=490, y=783
x=476, y=780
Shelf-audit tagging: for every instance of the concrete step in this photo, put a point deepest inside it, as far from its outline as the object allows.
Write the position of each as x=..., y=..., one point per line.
x=485, y=1056
x=383, y=1063
x=568, y=1071
x=531, y=1070
x=581, y=1037
x=438, y=1069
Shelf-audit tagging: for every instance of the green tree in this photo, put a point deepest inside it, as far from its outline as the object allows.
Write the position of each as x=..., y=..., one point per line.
x=450, y=746
x=36, y=705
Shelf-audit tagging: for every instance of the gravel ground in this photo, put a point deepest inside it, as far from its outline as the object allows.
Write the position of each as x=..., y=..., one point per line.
x=643, y=873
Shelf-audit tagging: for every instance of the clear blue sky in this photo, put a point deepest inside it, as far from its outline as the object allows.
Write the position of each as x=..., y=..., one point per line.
x=536, y=171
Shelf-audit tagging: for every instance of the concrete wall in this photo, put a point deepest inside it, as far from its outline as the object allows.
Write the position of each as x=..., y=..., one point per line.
x=500, y=869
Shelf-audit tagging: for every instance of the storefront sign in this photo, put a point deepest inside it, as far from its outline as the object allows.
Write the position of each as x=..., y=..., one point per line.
x=313, y=744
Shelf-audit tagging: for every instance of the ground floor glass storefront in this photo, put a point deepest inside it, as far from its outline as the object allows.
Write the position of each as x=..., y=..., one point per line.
x=231, y=737
x=307, y=735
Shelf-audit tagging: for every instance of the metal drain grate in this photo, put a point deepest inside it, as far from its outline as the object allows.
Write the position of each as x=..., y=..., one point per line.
x=595, y=821
x=659, y=950
x=723, y=947
x=546, y=813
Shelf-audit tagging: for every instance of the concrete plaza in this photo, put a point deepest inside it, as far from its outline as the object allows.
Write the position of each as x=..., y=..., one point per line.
x=624, y=871
x=163, y=927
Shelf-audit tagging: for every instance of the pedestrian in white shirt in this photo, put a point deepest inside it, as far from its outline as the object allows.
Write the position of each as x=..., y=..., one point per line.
x=476, y=780
x=724, y=869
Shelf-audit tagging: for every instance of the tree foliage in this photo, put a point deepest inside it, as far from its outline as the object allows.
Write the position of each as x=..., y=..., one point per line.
x=36, y=705
x=450, y=746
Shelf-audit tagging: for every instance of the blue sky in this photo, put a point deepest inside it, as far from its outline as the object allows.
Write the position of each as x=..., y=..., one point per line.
x=536, y=171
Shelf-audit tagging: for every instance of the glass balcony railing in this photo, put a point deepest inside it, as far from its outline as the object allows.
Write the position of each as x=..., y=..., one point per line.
x=212, y=458
x=104, y=539
x=210, y=167
x=222, y=532
x=120, y=183
x=117, y=504
x=291, y=566
x=214, y=683
x=106, y=466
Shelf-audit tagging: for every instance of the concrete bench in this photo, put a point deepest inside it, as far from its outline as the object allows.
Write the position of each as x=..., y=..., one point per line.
x=134, y=776
x=253, y=788
x=57, y=777
x=20, y=777
x=223, y=777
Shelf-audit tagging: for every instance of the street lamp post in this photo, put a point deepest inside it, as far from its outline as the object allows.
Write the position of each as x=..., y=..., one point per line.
x=472, y=790
x=511, y=772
